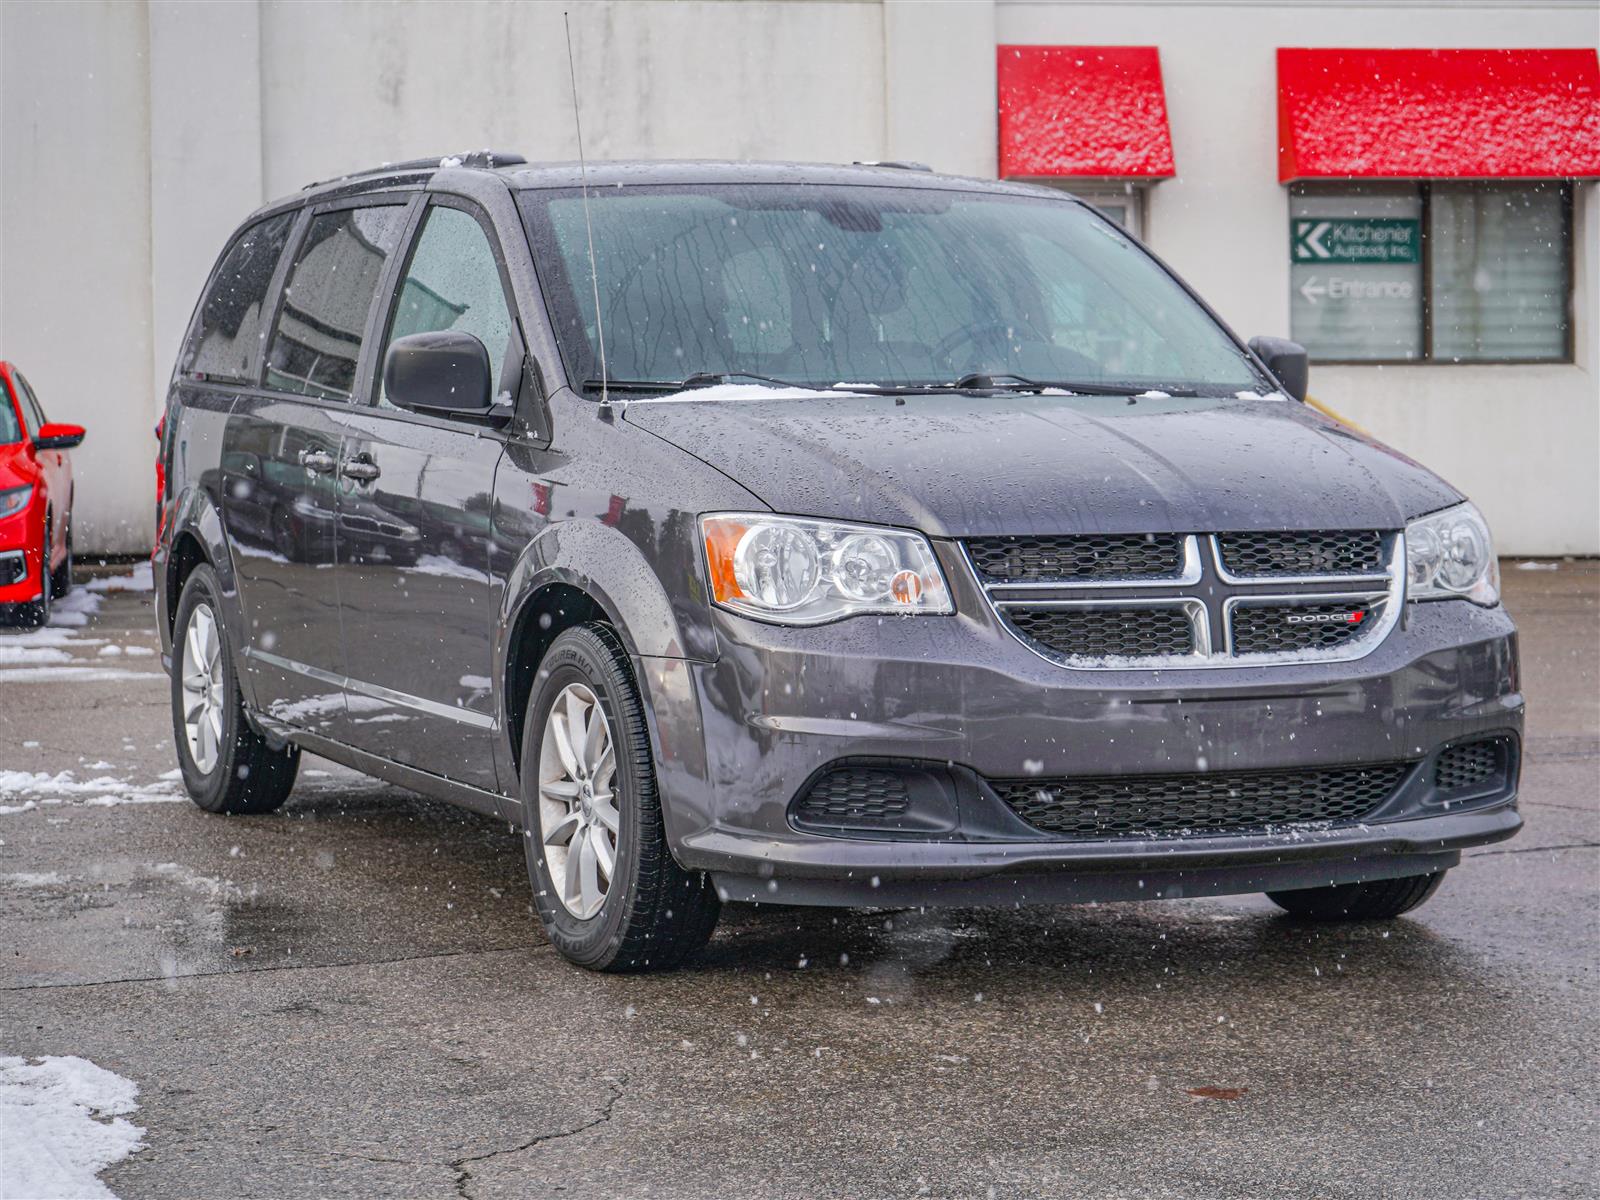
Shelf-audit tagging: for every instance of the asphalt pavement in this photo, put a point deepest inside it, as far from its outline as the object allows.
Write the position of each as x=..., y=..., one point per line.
x=352, y=998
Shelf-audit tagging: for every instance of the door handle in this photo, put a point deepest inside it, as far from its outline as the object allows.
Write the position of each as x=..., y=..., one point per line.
x=361, y=468
x=319, y=461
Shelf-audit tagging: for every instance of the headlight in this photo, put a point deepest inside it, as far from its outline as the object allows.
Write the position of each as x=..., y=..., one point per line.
x=1450, y=555
x=796, y=572
x=15, y=500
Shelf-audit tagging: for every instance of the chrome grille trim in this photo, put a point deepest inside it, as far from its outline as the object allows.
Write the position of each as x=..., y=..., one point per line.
x=1210, y=595
x=1188, y=575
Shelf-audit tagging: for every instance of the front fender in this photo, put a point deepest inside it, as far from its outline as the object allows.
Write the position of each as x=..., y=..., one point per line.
x=613, y=572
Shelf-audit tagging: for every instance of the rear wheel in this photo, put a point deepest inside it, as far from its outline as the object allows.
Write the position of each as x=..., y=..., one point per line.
x=605, y=884
x=1377, y=900
x=227, y=766
x=61, y=577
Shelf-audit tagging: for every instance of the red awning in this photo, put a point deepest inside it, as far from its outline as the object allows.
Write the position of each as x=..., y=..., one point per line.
x=1083, y=110
x=1438, y=114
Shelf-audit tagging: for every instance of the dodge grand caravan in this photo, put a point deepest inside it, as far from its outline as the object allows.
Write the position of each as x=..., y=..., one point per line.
x=811, y=535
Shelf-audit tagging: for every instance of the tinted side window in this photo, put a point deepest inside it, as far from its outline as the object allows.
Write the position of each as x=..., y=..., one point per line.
x=32, y=415
x=317, y=341
x=453, y=283
x=222, y=343
x=10, y=431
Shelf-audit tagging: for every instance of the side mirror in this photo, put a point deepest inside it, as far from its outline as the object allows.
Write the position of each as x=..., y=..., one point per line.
x=55, y=436
x=446, y=372
x=1287, y=361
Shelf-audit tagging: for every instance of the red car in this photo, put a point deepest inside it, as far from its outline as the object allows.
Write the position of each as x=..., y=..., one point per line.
x=35, y=503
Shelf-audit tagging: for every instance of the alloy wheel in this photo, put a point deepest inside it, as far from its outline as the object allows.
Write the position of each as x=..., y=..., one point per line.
x=203, y=688
x=578, y=815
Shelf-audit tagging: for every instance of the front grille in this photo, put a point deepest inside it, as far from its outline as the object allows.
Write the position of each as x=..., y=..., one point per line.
x=854, y=794
x=1106, y=632
x=1469, y=765
x=1120, y=806
x=1093, y=557
x=1335, y=552
x=1286, y=628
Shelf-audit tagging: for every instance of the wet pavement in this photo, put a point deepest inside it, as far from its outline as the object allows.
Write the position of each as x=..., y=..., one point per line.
x=351, y=997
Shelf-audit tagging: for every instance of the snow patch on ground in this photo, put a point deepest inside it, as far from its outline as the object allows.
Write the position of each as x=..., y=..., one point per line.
x=73, y=611
x=21, y=791
x=140, y=579
x=62, y=1122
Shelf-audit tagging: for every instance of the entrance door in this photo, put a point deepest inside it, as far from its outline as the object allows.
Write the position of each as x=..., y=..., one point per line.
x=418, y=598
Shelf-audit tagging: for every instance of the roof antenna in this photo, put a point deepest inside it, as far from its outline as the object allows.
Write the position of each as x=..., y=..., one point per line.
x=583, y=174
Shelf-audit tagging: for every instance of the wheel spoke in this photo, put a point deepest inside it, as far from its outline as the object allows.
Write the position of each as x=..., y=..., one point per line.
x=561, y=833
x=194, y=711
x=588, y=874
x=560, y=789
x=558, y=730
x=606, y=766
x=577, y=732
x=571, y=894
x=605, y=811
x=596, y=742
x=605, y=854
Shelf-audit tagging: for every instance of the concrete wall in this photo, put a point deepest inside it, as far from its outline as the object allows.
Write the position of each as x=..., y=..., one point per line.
x=136, y=134
x=1523, y=442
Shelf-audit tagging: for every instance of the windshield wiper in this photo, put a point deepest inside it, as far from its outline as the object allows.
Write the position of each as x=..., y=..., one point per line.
x=1004, y=382
x=698, y=380
x=713, y=378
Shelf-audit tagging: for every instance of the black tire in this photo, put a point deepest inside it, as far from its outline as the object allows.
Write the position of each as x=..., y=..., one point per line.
x=61, y=577
x=1378, y=900
x=249, y=776
x=655, y=914
x=35, y=614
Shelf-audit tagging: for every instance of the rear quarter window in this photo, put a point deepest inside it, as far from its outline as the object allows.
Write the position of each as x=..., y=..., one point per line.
x=229, y=324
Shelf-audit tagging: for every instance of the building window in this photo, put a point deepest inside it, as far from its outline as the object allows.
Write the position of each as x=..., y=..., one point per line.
x=1124, y=203
x=1432, y=272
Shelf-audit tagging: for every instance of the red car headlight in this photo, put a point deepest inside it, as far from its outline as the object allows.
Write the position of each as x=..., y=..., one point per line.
x=15, y=500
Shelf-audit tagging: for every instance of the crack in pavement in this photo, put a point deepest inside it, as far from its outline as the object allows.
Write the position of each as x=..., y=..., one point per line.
x=460, y=1166
x=464, y=1176
x=1536, y=849
x=531, y=947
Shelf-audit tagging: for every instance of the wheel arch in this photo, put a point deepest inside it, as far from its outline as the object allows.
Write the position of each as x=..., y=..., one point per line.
x=578, y=571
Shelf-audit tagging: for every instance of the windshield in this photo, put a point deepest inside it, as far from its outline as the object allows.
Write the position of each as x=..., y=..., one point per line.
x=823, y=285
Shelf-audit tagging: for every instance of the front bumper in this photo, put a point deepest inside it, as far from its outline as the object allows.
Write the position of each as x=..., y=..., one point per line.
x=782, y=704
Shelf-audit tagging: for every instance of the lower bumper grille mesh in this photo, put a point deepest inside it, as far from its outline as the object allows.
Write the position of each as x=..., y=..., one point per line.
x=1469, y=765
x=1219, y=802
x=854, y=794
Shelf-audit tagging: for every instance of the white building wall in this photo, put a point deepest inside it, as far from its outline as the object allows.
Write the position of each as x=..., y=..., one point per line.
x=136, y=135
x=1523, y=442
x=75, y=194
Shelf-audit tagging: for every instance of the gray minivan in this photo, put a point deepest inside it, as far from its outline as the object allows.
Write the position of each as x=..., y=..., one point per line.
x=811, y=535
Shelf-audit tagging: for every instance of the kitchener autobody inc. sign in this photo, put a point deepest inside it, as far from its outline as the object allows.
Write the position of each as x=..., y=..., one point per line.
x=1335, y=242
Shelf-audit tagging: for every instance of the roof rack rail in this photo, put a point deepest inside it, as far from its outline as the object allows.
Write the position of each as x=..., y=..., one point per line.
x=479, y=159
x=897, y=164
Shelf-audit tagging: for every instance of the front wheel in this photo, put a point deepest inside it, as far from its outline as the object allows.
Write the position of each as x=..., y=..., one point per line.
x=227, y=766
x=607, y=889
x=36, y=613
x=1377, y=900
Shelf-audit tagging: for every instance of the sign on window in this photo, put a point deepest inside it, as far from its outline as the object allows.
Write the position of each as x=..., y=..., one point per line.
x=1355, y=240
x=1356, y=274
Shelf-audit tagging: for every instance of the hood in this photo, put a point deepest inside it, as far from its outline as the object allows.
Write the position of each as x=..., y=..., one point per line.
x=954, y=465
x=16, y=466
